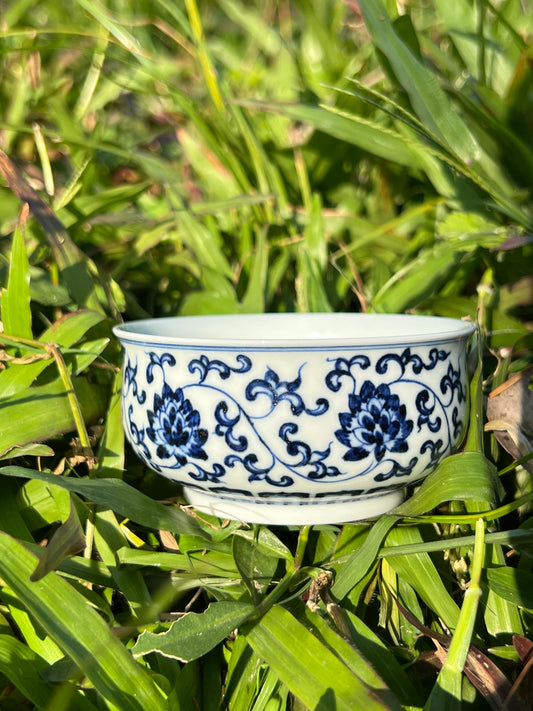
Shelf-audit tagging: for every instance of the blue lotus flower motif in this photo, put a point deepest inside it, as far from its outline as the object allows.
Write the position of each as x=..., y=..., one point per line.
x=376, y=423
x=175, y=427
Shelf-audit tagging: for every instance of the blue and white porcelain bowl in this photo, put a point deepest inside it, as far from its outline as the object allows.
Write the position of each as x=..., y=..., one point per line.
x=294, y=418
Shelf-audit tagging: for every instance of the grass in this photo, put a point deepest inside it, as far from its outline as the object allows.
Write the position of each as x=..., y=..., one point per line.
x=162, y=159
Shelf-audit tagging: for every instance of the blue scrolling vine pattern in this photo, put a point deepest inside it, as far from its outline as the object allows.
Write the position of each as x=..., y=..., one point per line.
x=374, y=429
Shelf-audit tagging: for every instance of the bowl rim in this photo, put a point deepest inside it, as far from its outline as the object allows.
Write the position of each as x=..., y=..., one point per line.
x=393, y=330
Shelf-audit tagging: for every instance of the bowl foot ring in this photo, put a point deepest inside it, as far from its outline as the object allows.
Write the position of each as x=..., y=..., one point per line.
x=297, y=514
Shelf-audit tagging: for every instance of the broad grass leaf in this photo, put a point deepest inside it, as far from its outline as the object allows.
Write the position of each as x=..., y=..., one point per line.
x=434, y=109
x=315, y=239
x=161, y=560
x=366, y=134
x=32, y=449
x=98, y=205
x=383, y=661
x=418, y=280
x=213, y=680
x=516, y=152
x=512, y=584
x=66, y=540
x=255, y=26
x=108, y=539
x=217, y=181
x=427, y=98
x=29, y=674
x=15, y=304
x=45, y=292
x=420, y=572
x=466, y=476
x=110, y=454
x=195, y=634
x=209, y=302
x=71, y=327
x=11, y=519
x=215, y=283
x=120, y=497
x=266, y=540
x=360, y=561
x=463, y=476
x=502, y=616
x=65, y=332
x=310, y=289
x=244, y=668
x=349, y=653
x=116, y=29
x=41, y=505
x=313, y=673
x=41, y=413
x=24, y=668
x=79, y=631
x=312, y=262
x=461, y=21
x=256, y=567
x=474, y=435
x=67, y=255
x=29, y=629
x=203, y=241
x=253, y=300
x=79, y=359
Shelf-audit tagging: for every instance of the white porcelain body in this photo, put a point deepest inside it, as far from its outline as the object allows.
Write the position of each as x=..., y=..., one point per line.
x=294, y=418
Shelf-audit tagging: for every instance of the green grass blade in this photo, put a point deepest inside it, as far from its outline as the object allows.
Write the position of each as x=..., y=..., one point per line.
x=368, y=135
x=194, y=635
x=256, y=567
x=41, y=413
x=428, y=99
x=312, y=672
x=349, y=653
x=474, y=437
x=108, y=540
x=65, y=332
x=66, y=540
x=512, y=584
x=205, y=245
x=312, y=261
x=502, y=615
x=464, y=476
x=80, y=631
x=118, y=496
x=359, y=562
x=68, y=257
x=383, y=660
x=110, y=454
x=420, y=279
x=447, y=692
x=24, y=669
x=254, y=299
x=420, y=572
x=115, y=29
x=15, y=305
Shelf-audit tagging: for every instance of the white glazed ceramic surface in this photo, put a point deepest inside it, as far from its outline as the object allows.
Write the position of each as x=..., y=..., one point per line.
x=294, y=418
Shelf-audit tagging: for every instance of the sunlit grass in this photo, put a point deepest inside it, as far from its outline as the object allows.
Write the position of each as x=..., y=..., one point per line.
x=243, y=157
